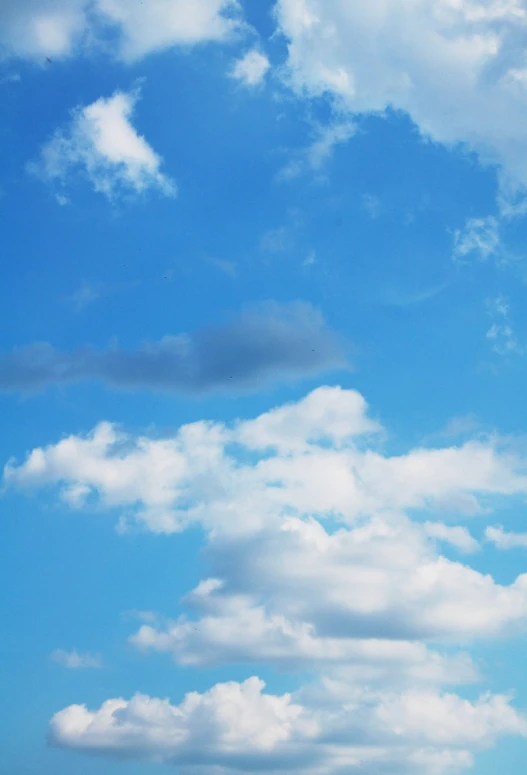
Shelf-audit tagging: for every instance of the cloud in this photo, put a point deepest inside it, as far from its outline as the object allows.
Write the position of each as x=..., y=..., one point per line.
x=85, y=295
x=312, y=565
x=457, y=69
x=251, y=69
x=479, y=237
x=305, y=519
x=309, y=458
x=101, y=144
x=319, y=151
x=62, y=28
x=40, y=28
x=505, y=540
x=75, y=661
x=501, y=333
x=237, y=727
x=264, y=344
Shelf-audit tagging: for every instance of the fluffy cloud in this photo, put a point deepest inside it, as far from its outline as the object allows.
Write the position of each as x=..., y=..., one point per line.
x=265, y=343
x=238, y=727
x=369, y=605
x=456, y=68
x=262, y=489
x=60, y=28
x=102, y=144
x=251, y=69
x=75, y=661
x=504, y=539
x=304, y=459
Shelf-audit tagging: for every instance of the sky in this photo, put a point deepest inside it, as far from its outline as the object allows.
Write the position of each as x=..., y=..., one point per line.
x=262, y=376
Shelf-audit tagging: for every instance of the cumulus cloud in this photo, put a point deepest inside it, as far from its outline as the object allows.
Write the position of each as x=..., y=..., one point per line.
x=237, y=727
x=61, y=28
x=313, y=565
x=303, y=459
x=102, y=144
x=457, y=69
x=504, y=539
x=73, y=660
x=266, y=343
x=251, y=69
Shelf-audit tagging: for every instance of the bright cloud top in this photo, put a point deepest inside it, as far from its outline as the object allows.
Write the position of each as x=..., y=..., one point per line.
x=238, y=727
x=457, y=68
x=303, y=459
x=102, y=144
x=59, y=28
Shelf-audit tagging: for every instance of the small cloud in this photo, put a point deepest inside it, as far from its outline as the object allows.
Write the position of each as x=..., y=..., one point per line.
x=86, y=295
x=227, y=267
x=311, y=258
x=372, y=205
x=398, y=297
x=504, y=540
x=479, y=237
x=459, y=426
x=10, y=78
x=313, y=158
x=275, y=240
x=75, y=661
x=501, y=333
x=251, y=69
x=101, y=144
x=62, y=200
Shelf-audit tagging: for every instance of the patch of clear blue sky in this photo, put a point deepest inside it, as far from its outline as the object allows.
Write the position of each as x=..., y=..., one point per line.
x=68, y=578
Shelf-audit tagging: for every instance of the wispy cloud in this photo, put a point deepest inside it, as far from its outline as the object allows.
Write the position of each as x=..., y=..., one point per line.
x=73, y=660
x=479, y=238
x=501, y=334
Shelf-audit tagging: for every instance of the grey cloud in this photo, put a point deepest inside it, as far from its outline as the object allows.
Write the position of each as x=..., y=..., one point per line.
x=265, y=343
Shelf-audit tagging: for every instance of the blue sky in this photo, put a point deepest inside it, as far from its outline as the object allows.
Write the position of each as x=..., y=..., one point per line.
x=261, y=380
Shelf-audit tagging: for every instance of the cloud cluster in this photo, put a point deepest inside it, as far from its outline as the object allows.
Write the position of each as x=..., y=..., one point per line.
x=102, y=144
x=314, y=565
x=237, y=727
x=61, y=28
x=265, y=343
x=456, y=68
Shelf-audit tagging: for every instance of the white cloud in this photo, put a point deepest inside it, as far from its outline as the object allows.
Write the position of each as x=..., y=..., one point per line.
x=60, y=28
x=299, y=594
x=456, y=68
x=238, y=727
x=505, y=540
x=479, y=236
x=314, y=156
x=306, y=458
x=40, y=28
x=102, y=144
x=312, y=565
x=501, y=333
x=74, y=660
x=251, y=69
x=160, y=24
